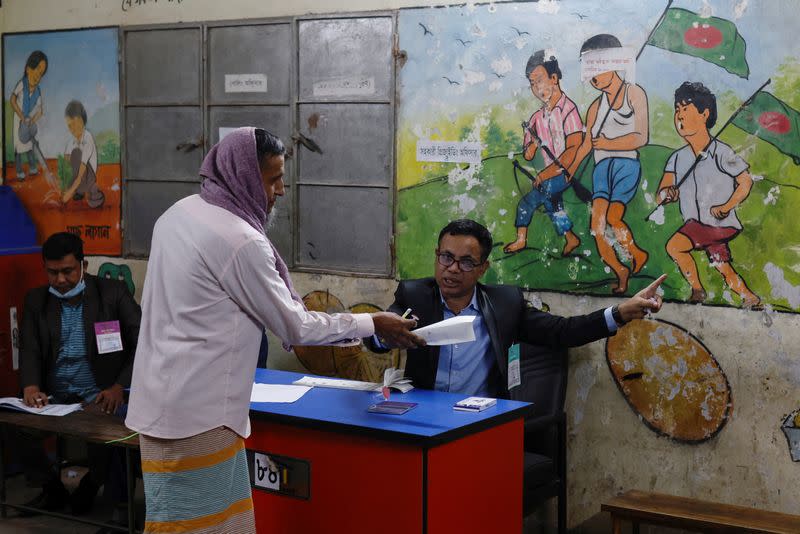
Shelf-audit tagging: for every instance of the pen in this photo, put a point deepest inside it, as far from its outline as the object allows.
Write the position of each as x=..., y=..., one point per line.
x=405, y=313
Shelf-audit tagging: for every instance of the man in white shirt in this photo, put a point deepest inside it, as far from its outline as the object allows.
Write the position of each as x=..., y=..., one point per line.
x=214, y=280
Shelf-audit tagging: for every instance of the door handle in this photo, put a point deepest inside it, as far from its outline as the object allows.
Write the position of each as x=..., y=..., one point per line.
x=307, y=142
x=191, y=144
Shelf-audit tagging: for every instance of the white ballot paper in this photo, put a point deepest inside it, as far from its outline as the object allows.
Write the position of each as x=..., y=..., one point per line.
x=57, y=410
x=277, y=392
x=454, y=330
x=392, y=378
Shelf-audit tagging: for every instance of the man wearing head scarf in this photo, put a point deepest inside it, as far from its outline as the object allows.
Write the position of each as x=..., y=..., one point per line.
x=214, y=280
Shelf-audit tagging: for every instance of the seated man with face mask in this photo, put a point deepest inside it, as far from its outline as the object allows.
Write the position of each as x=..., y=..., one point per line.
x=61, y=360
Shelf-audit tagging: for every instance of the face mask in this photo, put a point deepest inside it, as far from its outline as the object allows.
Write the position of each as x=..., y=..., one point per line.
x=74, y=292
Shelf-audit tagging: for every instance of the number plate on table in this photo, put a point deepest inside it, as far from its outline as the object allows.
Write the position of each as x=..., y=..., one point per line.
x=279, y=474
x=265, y=473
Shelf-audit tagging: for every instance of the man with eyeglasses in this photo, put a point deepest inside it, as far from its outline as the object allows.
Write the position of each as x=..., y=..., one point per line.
x=502, y=317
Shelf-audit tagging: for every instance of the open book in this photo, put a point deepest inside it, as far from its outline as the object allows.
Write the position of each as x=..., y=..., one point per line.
x=392, y=378
x=14, y=403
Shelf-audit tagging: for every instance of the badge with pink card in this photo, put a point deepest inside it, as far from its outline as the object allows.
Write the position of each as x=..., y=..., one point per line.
x=109, y=338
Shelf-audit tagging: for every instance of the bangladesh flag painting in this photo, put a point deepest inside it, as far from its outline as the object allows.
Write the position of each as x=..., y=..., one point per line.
x=713, y=39
x=773, y=121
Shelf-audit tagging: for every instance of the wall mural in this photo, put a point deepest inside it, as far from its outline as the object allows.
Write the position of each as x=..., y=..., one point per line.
x=61, y=131
x=354, y=362
x=692, y=170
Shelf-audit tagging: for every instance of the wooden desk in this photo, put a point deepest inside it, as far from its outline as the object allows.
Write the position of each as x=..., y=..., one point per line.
x=692, y=514
x=89, y=425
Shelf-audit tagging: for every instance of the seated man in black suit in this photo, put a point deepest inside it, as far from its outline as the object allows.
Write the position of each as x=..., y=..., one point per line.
x=62, y=360
x=503, y=318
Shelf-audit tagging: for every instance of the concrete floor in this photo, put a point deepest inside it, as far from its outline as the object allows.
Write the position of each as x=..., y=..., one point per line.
x=542, y=521
x=104, y=510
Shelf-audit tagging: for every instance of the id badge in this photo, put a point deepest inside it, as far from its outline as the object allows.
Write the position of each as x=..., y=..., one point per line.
x=108, y=337
x=513, y=366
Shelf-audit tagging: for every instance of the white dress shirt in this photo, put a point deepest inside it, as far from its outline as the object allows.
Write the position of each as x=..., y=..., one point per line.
x=211, y=284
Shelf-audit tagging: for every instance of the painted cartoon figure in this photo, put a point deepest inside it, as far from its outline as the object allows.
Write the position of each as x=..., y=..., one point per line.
x=27, y=102
x=82, y=155
x=557, y=126
x=617, y=124
x=708, y=196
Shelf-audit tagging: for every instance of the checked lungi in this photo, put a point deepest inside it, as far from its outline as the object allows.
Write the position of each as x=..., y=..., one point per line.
x=198, y=485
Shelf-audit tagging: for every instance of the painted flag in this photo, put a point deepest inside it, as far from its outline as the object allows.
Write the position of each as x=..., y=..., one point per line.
x=773, y=121
x=713, y=39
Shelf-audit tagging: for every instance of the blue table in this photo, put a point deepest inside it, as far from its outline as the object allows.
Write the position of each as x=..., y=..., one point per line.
x=339, y=463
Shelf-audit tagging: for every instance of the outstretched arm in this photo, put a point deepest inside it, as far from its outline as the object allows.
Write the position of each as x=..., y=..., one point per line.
x=645, y=301
x=68, y=194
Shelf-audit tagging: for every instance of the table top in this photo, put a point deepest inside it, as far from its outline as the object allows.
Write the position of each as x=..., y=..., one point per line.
x=432, y=422
x=90, y=425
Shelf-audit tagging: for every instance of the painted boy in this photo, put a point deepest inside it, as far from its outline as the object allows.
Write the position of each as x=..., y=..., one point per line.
x=82, y=156
x=708, y=196
x=557, y=124
x=615, y=136
x=27, y=103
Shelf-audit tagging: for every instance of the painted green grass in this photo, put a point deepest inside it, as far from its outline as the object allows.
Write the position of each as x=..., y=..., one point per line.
x=540, y=266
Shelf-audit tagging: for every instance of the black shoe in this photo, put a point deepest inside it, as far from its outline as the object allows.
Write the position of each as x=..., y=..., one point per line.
x=83, y=498
x=77, y=196
x=52, y=499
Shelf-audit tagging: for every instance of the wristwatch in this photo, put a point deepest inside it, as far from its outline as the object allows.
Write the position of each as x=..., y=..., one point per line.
x=617, y=316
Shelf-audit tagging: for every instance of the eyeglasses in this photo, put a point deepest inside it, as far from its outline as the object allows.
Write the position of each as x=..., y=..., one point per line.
x=465, y=264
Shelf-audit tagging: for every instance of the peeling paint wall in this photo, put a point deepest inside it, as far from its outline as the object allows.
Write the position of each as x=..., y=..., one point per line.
x=611, y=449
x=748, y=462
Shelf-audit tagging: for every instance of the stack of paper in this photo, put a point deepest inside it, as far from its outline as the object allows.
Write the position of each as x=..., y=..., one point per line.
x=392, y=378
x=57, y=410
x=277, y=393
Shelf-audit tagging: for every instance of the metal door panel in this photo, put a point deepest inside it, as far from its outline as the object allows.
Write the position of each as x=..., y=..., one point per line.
x=347, y=228
x=262, y=49
x=356, y=141
x=275, y=119
x=162, y=66
x=163, y=143
x=346, y=59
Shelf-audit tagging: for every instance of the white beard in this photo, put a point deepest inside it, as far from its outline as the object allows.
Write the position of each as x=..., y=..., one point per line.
x=272, y=216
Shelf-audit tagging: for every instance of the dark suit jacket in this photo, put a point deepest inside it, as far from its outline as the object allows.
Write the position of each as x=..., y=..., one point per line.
x=509, y=319
x=103, y=300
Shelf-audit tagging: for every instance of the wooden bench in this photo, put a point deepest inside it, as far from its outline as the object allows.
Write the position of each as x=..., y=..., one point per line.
x=692, y=514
